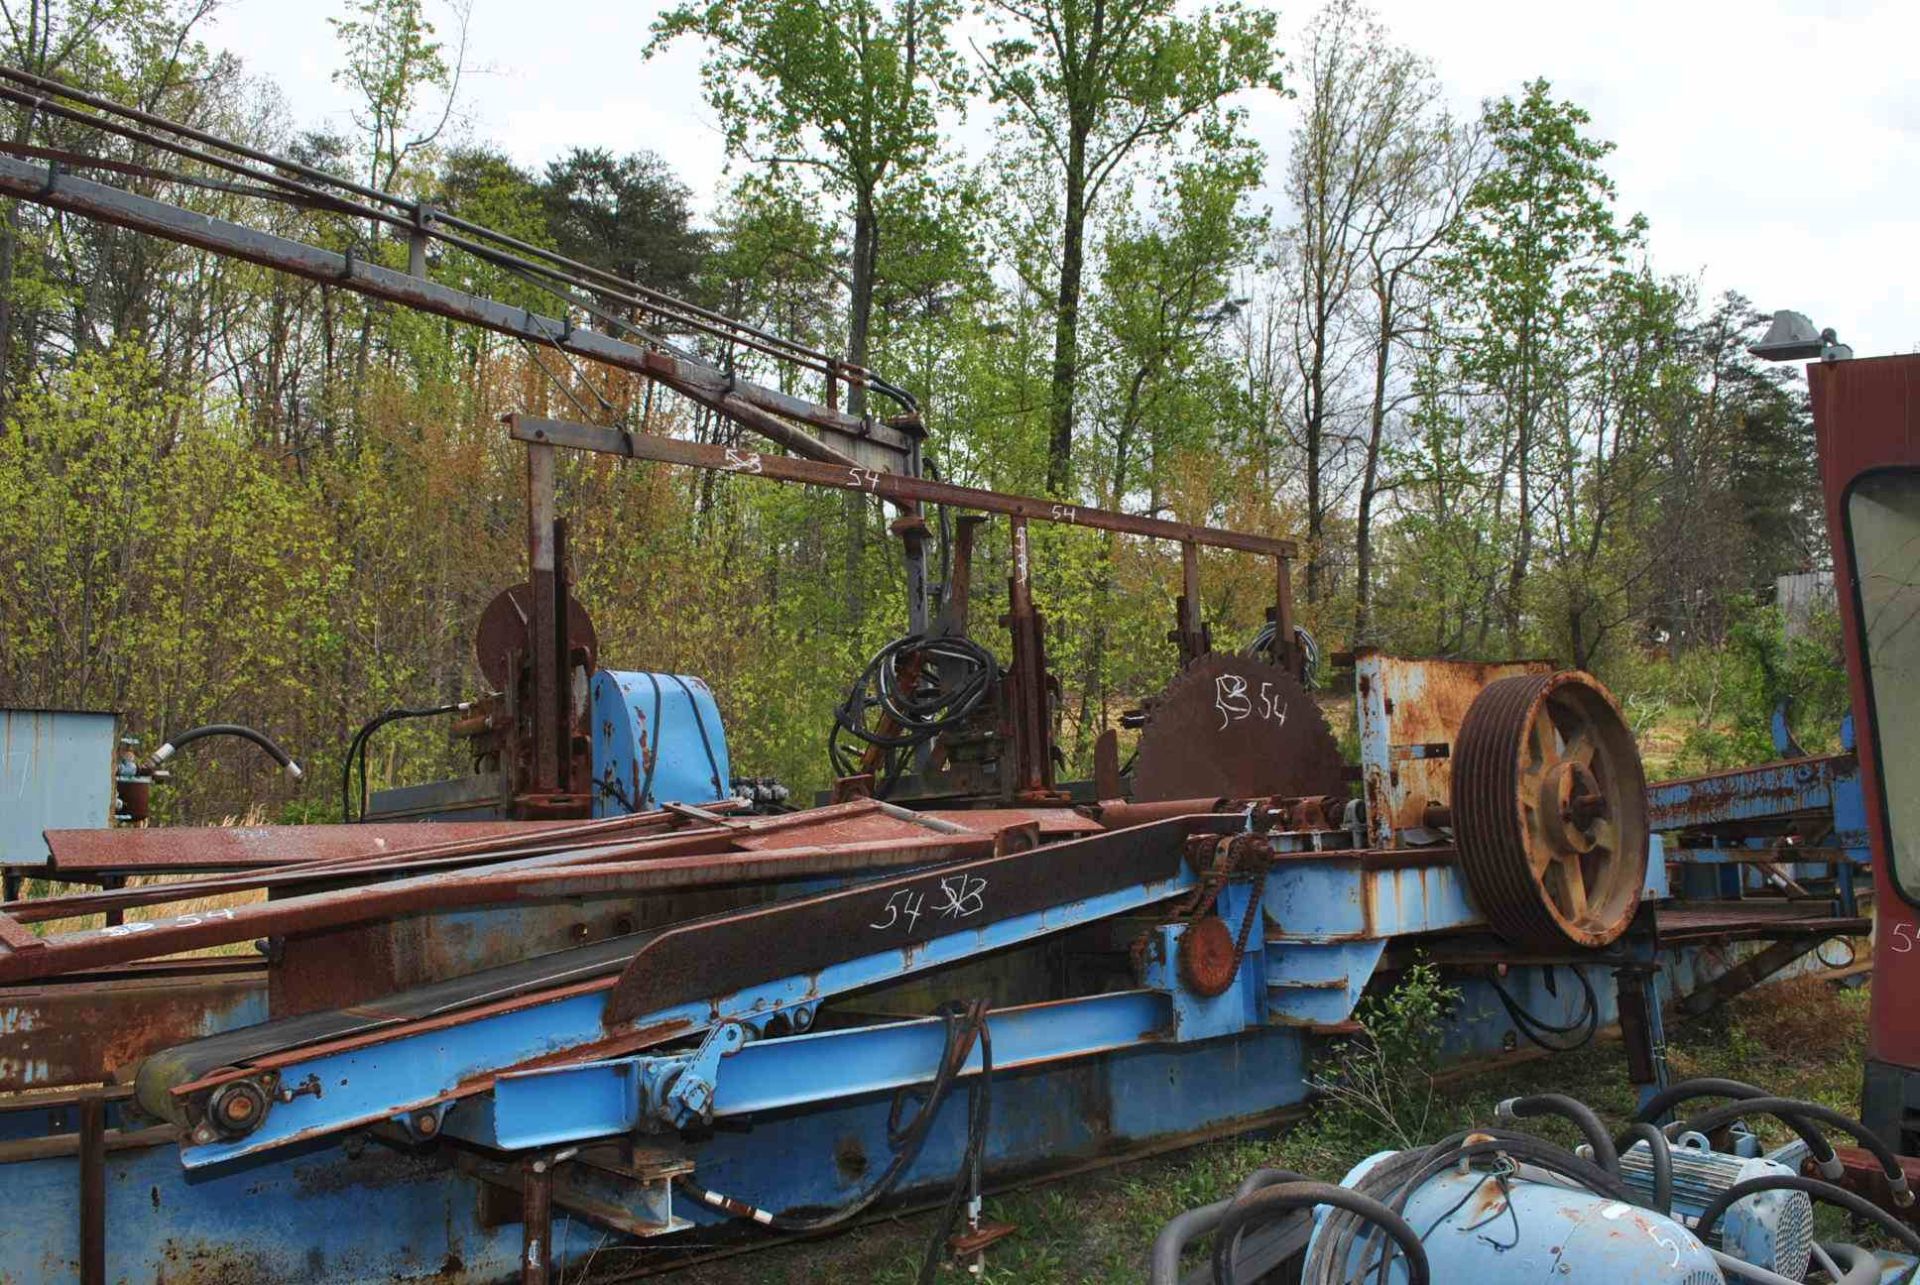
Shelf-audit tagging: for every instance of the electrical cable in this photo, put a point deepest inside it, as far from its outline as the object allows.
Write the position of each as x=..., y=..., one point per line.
x=1539, y=1031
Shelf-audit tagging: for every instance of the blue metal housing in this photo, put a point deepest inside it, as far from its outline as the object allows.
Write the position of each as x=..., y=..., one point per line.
x=56, y=772
x=657, y=738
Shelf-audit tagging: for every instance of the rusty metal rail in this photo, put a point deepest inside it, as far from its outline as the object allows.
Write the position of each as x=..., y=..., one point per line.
x=851, y=839
x=892, y=487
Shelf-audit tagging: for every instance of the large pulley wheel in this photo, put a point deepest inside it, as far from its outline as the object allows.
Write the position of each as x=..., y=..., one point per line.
x=1550, y=811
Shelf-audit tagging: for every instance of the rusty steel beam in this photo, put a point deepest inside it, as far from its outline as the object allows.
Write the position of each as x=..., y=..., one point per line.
x=893, y=487
x=210, y=849
x=582, y=842
x=97, y=948
x=762, y=409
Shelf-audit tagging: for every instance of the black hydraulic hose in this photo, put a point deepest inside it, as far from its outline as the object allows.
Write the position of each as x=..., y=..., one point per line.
x=1266, y=1178
x=1182, y=1230
x=966, y=1182
x=1269, y=1203
x=1858, y=1206
x=1573, y=1109
x=1539, y=1031
x=1660, y=1156
x=169, y=746
x=961, y=1030
x=1889, y=1163
x=1715, y=1087
x=357, y=747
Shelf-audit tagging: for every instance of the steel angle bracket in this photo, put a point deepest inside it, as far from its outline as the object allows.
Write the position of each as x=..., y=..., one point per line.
x=743, y=967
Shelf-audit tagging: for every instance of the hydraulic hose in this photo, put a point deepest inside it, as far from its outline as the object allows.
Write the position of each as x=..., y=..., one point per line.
x=962, y=1028
x=1185, y=1228
x=1582, y=1115
x=1660, y=1154
x=172, y=744
x=357, y=747
x=1541, y=1032
x=1285, y=1198
x=1779, y=1107
x=1713, y=1087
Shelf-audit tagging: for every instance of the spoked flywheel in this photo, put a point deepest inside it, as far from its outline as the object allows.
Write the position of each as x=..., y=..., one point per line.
x=1550, y=811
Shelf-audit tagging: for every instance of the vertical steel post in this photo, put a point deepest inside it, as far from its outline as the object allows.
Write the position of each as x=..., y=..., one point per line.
x=1190, y=631
x=1283, y=647
x=1032, y=743
x=545, y=608
x=93, y=1190
x=536, y=1223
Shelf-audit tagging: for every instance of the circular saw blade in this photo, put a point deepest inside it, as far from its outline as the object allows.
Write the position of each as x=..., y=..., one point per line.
x=1234, y=727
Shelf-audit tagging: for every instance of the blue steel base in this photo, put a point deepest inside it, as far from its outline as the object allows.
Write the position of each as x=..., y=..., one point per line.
x=359, y=1209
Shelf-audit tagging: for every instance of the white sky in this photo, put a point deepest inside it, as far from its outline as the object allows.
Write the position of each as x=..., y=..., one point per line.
x=1773, y=144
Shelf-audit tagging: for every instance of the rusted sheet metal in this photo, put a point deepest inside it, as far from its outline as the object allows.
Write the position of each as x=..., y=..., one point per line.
x=511, y=882
x=1754, y=920
x=87, y=1032
x=1409, y=712
x=208, y=848
x=1771, y=791
x=799, y=937
x=581, y=842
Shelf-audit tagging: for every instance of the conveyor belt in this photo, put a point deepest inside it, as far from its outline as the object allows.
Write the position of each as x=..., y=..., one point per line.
x=185, y=1063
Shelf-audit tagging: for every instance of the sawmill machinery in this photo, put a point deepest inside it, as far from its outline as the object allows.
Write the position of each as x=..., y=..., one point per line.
x=587, y=1012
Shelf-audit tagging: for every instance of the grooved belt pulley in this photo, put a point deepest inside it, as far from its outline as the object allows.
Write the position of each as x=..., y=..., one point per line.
x=1550, y=811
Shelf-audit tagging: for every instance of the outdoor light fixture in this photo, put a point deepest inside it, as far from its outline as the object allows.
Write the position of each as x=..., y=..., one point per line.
x=1792, y=337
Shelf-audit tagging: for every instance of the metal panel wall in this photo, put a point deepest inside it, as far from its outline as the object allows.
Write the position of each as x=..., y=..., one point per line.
x=56, y=772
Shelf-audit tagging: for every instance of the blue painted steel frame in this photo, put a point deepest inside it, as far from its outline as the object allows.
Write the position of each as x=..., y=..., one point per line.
x=413, y=1071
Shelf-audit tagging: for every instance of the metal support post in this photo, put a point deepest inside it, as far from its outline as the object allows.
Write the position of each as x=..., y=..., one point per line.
x=546, y=607
x=93, y=1190
x=1190, y=630
x=536, y=1223
x=1284, y=654
x=1642, y=1028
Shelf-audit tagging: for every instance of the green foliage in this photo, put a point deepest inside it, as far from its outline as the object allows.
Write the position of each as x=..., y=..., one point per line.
x=391, y=62
x=1379, y=1087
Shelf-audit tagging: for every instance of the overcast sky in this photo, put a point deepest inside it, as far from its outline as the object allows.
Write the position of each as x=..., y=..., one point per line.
x=1774, y=144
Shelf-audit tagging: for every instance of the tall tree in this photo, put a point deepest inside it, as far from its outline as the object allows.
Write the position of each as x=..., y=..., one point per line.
x=1522, y=271
x=1355, y=157
x=630, y=215
x=1096, y=83
x=850, y=89
x=393, y=66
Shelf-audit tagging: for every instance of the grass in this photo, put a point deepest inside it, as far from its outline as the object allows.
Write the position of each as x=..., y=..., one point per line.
x=1804, y=1038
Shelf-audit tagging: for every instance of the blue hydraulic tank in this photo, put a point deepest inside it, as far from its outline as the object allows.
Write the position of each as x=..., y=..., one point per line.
x=657, y=738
